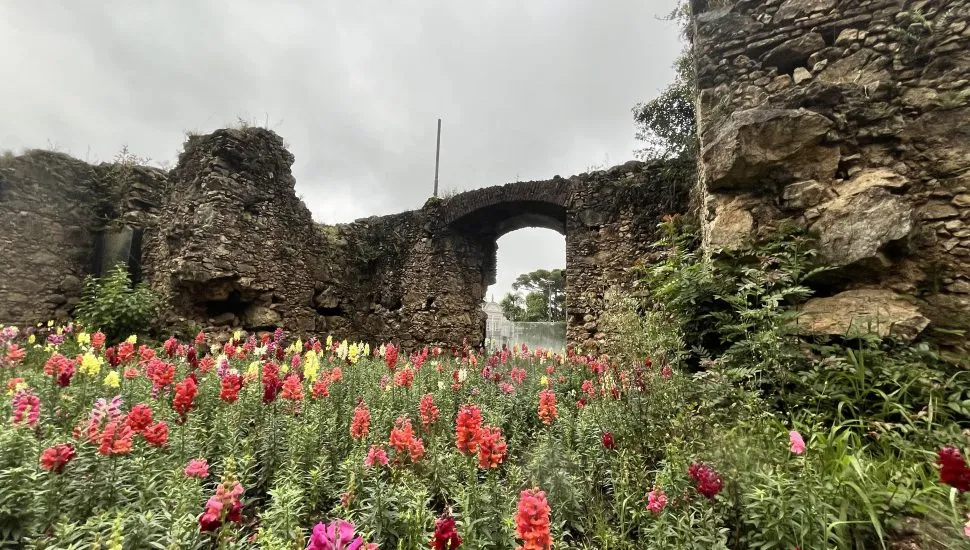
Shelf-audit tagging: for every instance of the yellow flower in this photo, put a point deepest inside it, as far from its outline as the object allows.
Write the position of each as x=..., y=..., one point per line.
x=311, y=366
x=329, y=341
x=366, y=350
x=31, y=339
x=90, y=365
x=112, y=380
x=50, y=323
x=17, y=387
x=544, y=380
x=548, y=354
x=352, y=352
x=253, y=369
x=83, y=338
x=236, y=335
x=132, y=339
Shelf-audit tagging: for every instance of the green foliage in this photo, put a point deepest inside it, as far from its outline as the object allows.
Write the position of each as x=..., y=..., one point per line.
x=114, y=306
x=545, y=294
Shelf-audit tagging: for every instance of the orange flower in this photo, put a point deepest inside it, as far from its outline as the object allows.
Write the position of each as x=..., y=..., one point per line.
x=360, y=425
x=547, y=406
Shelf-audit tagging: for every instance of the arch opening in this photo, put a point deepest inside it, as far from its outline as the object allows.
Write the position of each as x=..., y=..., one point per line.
x=525, y=299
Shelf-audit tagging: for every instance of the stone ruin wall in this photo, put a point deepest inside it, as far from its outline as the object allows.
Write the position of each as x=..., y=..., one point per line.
x=228, y=245
x=52, y=209
x=851, y=118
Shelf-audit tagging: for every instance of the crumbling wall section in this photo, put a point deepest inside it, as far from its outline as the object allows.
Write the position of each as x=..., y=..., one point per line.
x=850, y=118
x=233, y=244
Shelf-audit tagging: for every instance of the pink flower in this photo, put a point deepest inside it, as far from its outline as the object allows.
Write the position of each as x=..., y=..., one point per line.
x=376, y=455
x=797, y=443
x=197, y=467
x=656, y=500
x=966, y=527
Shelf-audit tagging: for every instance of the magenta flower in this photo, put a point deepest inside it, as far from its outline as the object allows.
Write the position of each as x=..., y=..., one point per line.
x=376, y=455
x=797, y=443
x=338, y=535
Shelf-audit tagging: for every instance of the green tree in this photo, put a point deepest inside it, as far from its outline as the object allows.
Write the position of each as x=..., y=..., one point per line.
x=549, y=287
x=667, y=124
x=512, y=307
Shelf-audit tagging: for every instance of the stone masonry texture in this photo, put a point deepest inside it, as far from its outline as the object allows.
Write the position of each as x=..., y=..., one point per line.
x=850, y=118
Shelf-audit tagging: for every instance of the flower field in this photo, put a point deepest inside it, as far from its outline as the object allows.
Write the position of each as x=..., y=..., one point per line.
x=273, y=443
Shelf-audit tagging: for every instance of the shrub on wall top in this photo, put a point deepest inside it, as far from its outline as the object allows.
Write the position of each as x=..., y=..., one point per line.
x=116, y=307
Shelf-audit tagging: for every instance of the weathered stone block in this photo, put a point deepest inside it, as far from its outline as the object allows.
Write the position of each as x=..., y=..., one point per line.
x=854, y=228
x=864, y=311
x=763, y=146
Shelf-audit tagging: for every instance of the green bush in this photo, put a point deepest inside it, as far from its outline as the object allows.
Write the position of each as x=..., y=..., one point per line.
x=115, y=306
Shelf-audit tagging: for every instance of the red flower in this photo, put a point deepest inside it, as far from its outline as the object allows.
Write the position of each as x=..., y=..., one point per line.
x=404, y=377
x=608, y=440
x=403, y=439
x=185, y=392
x=953, y=468
x=157, y=434
x=55, y=458
x=360, y=425
x=390, y=356
x=491, y=447
x=170, y=346
x=445, y=535
x=115, y=439
x=292, y=388
x=139, y=418
x=160, y=373
x=271, y=381
x=231, y=384
x=707, y=482
x=429, y=412
x=467, y=428
x=97, y=340
x=547, y=406
x=321, y=388
x=532, y=520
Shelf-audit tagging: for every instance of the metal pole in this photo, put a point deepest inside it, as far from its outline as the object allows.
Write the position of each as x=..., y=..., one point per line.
x=437, y=155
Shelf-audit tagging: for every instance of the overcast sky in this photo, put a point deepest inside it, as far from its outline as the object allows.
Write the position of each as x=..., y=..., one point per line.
x=526, y=90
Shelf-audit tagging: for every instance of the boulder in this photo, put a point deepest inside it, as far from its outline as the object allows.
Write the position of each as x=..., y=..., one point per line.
x=261, y=316
x=794, y=53
x=732, y=225
x=854, y=228
x=757, y=147
x=862, y=311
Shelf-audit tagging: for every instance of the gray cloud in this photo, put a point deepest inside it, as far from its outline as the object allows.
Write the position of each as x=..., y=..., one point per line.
x=526, y=90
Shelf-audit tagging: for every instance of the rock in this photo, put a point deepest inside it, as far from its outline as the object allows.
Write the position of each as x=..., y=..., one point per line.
x=225, y=319
x=938, y=211
x=855, y=228
x=794, y=53
x=805, y=194
x=779, y=83
x=847, y=37
x=763, y=146
x=261, y=316
x=792, y=9
x=863, y=311
x=70, y=284
x=732, y=225
x=864, y=68
x=801, y=75
x=875, y=177
x=962, y=200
